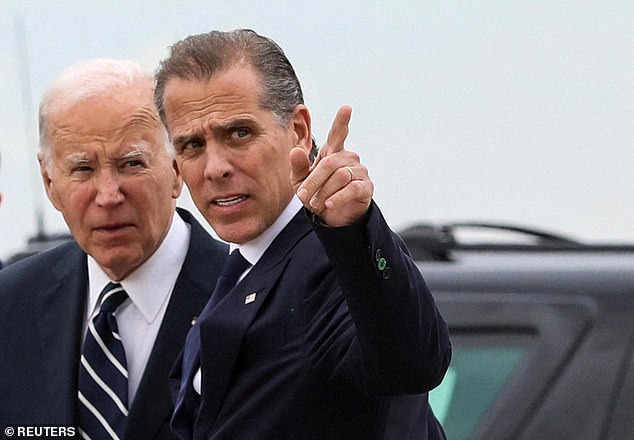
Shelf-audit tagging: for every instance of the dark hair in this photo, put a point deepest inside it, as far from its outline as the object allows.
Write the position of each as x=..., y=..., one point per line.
x=199, y=57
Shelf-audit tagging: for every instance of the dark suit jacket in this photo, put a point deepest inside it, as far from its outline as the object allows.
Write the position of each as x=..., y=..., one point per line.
x=42, y=301
x=342, y=341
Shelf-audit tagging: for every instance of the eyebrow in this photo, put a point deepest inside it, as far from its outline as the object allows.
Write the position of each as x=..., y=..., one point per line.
x=222, y=127
x=82, y=158
x=134, y=153
x=77, y=158
x=235, y=123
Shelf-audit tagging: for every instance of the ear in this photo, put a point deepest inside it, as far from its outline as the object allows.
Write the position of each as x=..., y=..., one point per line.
x=177, y=188
x=301, y=128
x=48, y=182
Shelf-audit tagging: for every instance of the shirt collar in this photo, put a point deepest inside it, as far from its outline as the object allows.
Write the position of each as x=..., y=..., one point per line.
x=253, y=250
x=150, y=285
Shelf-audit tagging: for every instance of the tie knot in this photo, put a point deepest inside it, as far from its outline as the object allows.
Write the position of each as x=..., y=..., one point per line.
x=111, y=297
x=235, y=265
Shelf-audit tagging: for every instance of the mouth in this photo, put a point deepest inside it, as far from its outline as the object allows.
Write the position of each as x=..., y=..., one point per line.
x=113, y=227
x=229, y=201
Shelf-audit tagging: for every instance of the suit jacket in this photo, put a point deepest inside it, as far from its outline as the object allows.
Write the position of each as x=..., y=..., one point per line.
x=42, y=302
x=333, y=334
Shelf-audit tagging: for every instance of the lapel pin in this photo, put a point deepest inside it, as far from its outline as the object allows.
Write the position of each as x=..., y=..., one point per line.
x=249, y=298
x=194, y=320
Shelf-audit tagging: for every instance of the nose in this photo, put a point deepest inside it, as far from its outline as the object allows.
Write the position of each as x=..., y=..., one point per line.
x=218, y=162
x=109, y=191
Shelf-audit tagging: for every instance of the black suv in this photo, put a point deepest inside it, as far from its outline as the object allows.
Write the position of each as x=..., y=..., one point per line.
x=542, y=328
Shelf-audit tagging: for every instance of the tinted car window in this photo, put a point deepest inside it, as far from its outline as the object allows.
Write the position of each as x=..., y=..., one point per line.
x=481, y=366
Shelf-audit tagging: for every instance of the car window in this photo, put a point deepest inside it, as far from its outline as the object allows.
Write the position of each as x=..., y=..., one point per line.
x=481, y=365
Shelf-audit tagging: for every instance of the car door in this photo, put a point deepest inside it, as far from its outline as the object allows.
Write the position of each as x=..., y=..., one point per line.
x=509, y=350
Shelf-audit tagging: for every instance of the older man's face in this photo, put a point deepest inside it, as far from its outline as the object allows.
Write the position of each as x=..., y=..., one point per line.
x=112, y=178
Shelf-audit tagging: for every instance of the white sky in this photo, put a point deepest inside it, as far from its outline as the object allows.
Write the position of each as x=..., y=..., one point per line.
x=516, y=112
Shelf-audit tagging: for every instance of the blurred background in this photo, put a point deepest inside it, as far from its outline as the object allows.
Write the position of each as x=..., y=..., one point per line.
x=507, y=112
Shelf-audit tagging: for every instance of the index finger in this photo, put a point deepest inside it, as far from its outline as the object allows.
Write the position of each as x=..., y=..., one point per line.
x=339, y=130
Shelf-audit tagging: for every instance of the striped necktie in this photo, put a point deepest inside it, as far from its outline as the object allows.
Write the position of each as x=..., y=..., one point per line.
x=103, y=374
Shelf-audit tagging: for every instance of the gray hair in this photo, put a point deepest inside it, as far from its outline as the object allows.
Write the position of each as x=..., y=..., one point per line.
x=199, y=57
x=87, y=79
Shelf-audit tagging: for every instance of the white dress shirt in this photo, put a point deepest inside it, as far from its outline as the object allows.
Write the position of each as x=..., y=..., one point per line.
x=149, y=289
x=253, y=250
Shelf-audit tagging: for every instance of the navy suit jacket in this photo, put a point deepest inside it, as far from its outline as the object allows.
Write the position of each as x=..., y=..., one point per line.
x=333, y=334
x=42, y=302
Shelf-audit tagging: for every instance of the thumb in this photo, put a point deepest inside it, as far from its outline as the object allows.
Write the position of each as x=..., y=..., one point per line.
x=300, y=166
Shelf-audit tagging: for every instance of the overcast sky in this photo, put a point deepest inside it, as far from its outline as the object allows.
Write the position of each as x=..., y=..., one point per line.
x=516, y=112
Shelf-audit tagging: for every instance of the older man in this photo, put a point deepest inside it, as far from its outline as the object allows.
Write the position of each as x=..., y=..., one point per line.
x=330, y=332
x=91, y=328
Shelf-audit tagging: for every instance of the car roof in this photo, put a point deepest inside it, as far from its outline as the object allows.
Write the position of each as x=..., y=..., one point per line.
x=549, y=263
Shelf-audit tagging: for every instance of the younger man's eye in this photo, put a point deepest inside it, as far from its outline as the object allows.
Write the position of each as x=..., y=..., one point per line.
x=241, y=133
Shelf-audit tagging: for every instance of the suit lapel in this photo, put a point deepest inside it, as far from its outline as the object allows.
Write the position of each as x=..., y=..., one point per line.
x=224, y=329
x=152, y=408
x=60, y=318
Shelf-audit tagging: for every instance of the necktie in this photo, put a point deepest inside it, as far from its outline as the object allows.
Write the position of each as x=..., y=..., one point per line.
x=103, y=375
x=234, y=266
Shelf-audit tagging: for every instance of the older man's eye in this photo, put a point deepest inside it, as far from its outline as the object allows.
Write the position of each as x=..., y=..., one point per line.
x=81, y=169
x=133, y=163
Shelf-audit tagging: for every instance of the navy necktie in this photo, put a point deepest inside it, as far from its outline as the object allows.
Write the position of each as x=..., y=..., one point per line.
x=234, y=266
x=103, y=374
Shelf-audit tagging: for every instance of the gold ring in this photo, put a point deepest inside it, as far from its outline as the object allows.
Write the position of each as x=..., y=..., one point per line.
x=351, y=173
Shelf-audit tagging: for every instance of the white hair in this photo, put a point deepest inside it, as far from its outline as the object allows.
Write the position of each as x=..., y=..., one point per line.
x=87, y=79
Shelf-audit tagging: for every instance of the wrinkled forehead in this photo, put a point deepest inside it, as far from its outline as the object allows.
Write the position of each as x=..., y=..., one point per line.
x=108, y=117
x=133, y=136
x=225, y=95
